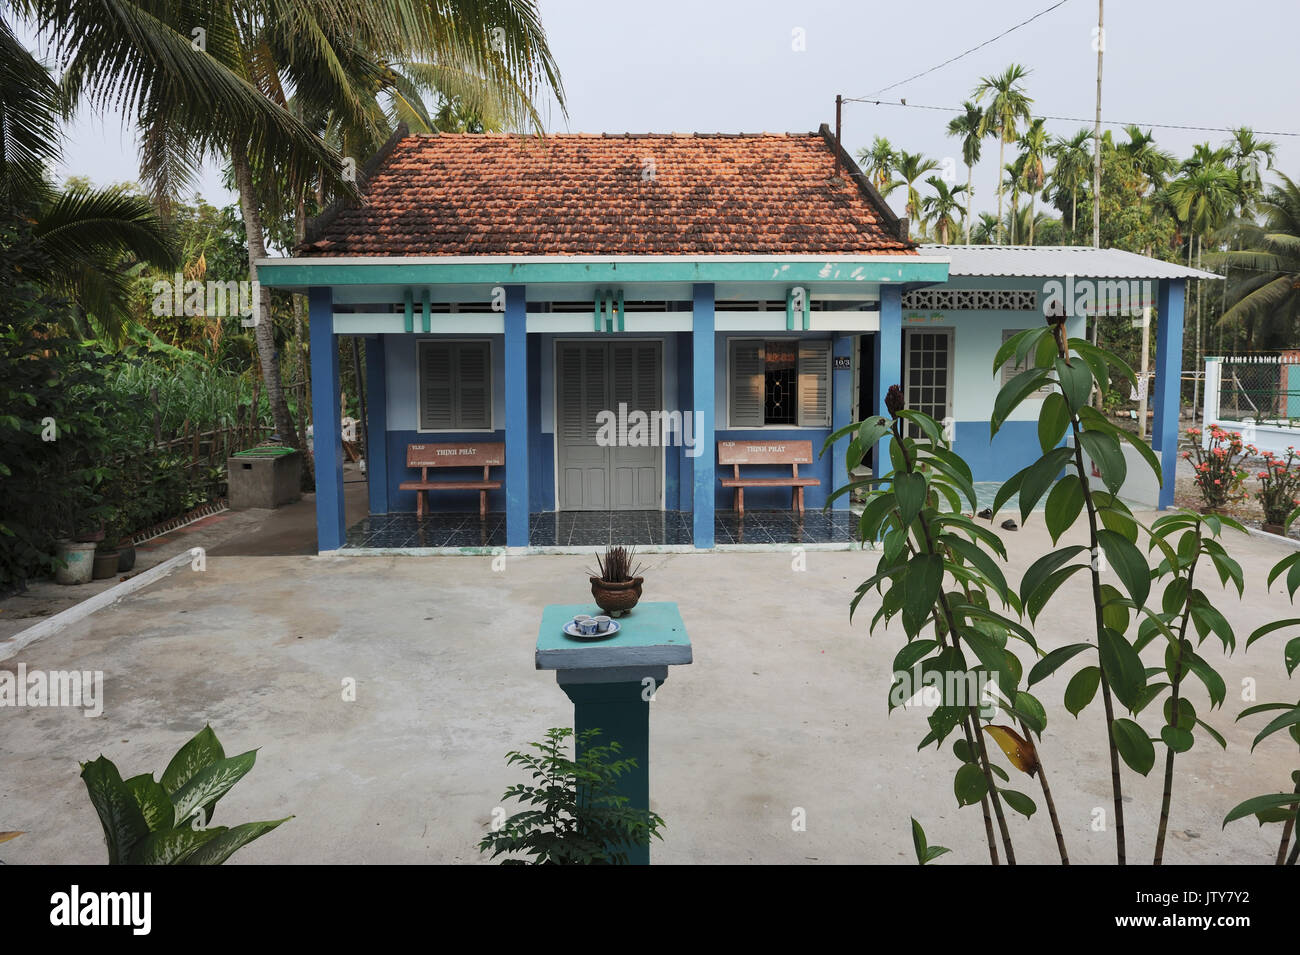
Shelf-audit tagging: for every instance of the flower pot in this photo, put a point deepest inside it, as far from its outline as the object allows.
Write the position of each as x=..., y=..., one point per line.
x=1274, y=528
x=1214, y=511
x=91, y=535
x=105, y=564
x=616, y=597
x=125, y=558
x=78, y=559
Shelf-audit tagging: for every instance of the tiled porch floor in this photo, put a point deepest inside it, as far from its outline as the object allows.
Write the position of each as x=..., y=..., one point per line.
x=598, y=528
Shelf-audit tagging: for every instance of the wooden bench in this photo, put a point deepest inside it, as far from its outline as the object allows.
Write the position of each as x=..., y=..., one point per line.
x=793, y=453
x=469, y=455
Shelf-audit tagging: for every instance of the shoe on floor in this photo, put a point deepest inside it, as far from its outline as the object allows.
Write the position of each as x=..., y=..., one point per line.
x=986, y=514
x=1009, y=525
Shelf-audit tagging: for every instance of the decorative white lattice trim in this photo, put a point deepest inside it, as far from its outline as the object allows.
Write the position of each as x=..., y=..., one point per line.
x=957, y=300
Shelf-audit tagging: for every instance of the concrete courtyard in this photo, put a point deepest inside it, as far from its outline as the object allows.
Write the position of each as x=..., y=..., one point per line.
x=784, y=709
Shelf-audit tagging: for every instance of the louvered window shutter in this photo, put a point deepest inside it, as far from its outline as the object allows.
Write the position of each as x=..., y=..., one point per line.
x=814, y=384
x=436, y=386
x=473, y=392
x=747, y=384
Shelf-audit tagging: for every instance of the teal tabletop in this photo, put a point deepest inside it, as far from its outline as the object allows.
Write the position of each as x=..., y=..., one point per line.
x=652, y=634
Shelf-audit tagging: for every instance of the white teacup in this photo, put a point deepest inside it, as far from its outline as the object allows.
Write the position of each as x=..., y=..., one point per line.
x=602, y=624
x=586, y=625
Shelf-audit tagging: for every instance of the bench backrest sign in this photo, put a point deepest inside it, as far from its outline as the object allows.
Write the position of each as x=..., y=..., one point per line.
x=765, y=452
x=467, y=455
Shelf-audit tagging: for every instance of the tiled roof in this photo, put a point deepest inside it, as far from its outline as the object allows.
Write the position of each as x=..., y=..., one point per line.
x=578, y=194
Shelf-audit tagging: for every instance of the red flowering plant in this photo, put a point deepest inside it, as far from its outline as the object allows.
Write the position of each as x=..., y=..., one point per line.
x=1279, y=486
x=1218, y=468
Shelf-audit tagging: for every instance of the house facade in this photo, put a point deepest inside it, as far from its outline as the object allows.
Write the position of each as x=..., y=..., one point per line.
x=612, y=307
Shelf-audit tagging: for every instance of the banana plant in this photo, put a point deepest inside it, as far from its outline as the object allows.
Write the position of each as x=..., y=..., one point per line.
x=166, y=822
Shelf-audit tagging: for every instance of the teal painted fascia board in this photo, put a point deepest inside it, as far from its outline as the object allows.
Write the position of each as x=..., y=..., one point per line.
x=297, y=273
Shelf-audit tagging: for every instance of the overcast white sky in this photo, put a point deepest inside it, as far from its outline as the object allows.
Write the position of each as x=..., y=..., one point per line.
x=732, y=65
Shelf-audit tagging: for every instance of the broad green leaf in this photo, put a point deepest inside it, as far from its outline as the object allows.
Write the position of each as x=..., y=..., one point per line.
x=912, y=654
x=1007, y=489
x=1134, y=745
x=1013, y=394
x=924, y=578
x=1290, y=718
x=980, y=560
x=969, y=785
x=123, y=822
x=1043, y=568
x=1128, y=563
x=220, y=849
x=1043, y=593
x=1027, y=708
x=1063, y=506
x=1019, y=802
x=199, y=753
x=1258, y=803
x=1076, y=382
x=1054, y=661
x=1270, y=627
x=1177, y=738
x=1122, y=666
x=1053, y=421
x=155, y=805
x=909, y=491
x=209, y=784
x=1081, y=690
x=1291, y=655
x=171, y=846
x=929, y=427
x=1039, y=477
x=1215, y=734
x=1105, y=452
x=1012, y=347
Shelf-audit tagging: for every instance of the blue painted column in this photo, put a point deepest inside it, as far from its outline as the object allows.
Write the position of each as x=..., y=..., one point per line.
x=516, y=372
x=703, y=466
x=1168, y=384
x=889, y=361
x=377, y=425
x=327, y=424
x=841, y=412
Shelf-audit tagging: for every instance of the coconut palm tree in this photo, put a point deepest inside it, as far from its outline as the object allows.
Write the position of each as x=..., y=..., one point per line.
x=1072, y=169
x=879, y=162
x=227, y=97
x=1033, y=144
x=90, y=240
x=968, y=128
x=944, y=208
x=911, y=167
x=1265, y=289
x=1008, y=105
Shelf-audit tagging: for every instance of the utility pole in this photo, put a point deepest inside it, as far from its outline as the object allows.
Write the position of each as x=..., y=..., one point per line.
x=1100, y=43
x=839, y=105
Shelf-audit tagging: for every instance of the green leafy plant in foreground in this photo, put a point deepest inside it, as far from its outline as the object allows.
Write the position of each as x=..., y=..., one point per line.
x=166, y=822
x=1281, y=808
x=939, y=573
x=576, y=817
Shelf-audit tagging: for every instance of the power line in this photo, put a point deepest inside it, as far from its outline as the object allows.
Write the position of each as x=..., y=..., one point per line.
x=954, y=59
x=1075, y=119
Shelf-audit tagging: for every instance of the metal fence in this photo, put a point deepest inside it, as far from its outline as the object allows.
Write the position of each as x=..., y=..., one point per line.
x=1259, y=387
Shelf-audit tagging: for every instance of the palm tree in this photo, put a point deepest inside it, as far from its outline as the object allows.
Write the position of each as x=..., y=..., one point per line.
x=1154, y=163
x=967, y=127
x=1034, y=148
x=230, y=99
x=911, y=167
x=1072, y=169
x=879, y=162
x=1250, y=156
x=1008, y=105
x=944, y=208
x=1014, y=180
x=90, y=240
x=1267, y=297
x=986, y=231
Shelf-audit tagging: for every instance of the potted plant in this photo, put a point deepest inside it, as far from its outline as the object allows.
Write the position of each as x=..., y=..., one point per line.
x=1279, y=487
x=615, y=585
x=1219, y=473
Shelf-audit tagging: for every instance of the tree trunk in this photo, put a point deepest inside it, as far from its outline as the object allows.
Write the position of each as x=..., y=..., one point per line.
x=1031, y=218
x=263, y=331
x=1002, y=145
x=970, y=195
x=299, y=308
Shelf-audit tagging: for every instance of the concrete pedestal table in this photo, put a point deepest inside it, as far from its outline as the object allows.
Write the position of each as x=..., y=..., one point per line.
x=612, y=680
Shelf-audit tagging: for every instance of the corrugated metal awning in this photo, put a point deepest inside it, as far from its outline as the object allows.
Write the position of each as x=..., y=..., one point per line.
x=1056, y=261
